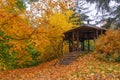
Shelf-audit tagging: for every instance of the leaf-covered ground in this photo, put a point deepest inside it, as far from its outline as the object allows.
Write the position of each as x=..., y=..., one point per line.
x=85, y=68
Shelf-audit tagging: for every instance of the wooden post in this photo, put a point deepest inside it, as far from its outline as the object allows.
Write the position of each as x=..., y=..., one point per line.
x=69, y=46
x=73, y=41
x=97, y=34
x=101, y=32
x=83, y=46
x=88, y=45
x=94, y=41
x=88, y=34
x=83, y=41
x=77, y=36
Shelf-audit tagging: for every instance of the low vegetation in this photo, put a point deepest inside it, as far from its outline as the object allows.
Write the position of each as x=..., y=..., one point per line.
x=108, y=46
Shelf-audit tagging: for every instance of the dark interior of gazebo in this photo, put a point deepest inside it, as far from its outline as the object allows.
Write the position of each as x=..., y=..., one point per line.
x=79, y=35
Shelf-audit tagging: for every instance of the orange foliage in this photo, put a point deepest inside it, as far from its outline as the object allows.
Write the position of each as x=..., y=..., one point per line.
x=42, y=29
x=51, y=19
x=85, y=68
x=109, y=44
x=16, y=31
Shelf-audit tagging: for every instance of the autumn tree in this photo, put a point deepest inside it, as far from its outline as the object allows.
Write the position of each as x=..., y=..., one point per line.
x=14, y=34
x=54, y=18
x=28, y=38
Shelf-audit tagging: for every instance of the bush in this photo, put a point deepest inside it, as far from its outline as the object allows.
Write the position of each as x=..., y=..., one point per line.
x=8, y=59
x=34, y=54
x=109, y=45
x=117, y=59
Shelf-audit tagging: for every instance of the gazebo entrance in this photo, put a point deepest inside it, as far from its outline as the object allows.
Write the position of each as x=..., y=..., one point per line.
x=78, y=36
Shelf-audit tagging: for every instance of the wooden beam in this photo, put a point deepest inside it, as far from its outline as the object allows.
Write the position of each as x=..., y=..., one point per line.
x=101, y=32
x=94, y=41
x=97, y=34
x=69, y=45
x=88, y=34
x=83, y=46
x=88, y=45
x=77, y=36
x=73, y=37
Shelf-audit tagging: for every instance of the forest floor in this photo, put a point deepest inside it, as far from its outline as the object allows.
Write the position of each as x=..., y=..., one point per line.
x=86, y=67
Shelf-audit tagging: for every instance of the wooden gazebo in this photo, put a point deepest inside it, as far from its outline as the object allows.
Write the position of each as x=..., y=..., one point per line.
x=77, y=36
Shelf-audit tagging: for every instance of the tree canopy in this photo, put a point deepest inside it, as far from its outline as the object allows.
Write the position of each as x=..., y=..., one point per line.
x=29, y=37
x=108, y=7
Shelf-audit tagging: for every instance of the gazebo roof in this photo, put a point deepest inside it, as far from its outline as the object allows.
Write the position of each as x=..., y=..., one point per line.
x=85, y=31
x=85, y=27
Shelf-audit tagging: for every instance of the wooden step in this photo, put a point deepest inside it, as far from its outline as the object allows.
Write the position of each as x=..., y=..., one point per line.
x=69, y=58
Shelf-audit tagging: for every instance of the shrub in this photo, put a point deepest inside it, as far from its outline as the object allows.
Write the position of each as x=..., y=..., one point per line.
x=109, y=45
x=117, y=59
x=34, y=54
x=8, y=59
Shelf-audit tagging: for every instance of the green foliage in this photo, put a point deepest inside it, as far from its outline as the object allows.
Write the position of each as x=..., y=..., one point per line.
x=107, y=57
x=34, y=54
x=33, y=0
x=91, y=42
x=2, y=33
x=49, y=54
x=20, y=4
x=117, y=59
x=76, y=20
x=104, y=7
x=111, y=23
x=8, y=59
